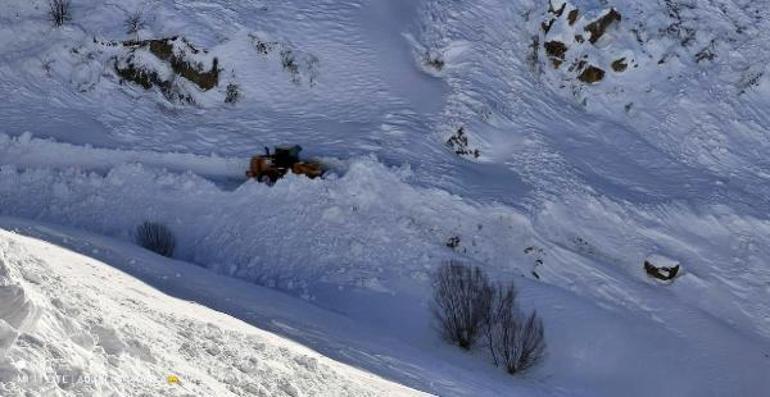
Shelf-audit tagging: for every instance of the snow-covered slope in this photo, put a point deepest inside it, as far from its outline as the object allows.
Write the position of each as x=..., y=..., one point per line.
x=71, y=325
x=562, y=184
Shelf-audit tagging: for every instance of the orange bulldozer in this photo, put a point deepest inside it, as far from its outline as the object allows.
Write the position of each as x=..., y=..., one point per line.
x=269, y=168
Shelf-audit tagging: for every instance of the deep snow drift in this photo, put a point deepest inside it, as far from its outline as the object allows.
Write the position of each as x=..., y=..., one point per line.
x=71, y=325
x=574, y=184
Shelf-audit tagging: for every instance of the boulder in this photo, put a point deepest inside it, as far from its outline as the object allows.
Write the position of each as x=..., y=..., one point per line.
x=591, y=75
x=661, y=267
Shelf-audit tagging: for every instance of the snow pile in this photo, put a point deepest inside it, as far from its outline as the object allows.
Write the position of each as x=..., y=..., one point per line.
x=365, y=242
x=254, y=232
x=95, y=331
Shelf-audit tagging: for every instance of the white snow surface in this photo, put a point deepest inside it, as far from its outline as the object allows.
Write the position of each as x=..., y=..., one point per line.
x=574, y=187
x=71, y=325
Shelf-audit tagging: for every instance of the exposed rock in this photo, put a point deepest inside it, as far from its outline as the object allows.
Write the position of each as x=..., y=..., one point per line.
x=546, y=26
x=706, y=54
x=459, y=143
x=558, y=13
x=619, y=65
x=598, y=27
x=661, y=268
x=572, y=17
x=555, y=50
x=163, y=49
x=591, y=75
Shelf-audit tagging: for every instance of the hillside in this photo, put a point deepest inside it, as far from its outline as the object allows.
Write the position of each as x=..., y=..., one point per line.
x=75, y=326
x=557, y=144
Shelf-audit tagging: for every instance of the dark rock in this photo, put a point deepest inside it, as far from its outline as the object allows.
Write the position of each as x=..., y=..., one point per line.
x=556, y=12
x=619, y=65
x=663, y=273
x=598, y=27
x=163, y=49
x=591, y=75
x=573, y=16
x=555, y=51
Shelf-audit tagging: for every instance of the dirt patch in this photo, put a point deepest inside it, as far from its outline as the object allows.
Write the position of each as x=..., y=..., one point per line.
x=597, y=28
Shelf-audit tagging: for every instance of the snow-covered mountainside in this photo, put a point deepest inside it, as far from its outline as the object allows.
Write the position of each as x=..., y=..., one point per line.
x=71, y=325
x=557, y=143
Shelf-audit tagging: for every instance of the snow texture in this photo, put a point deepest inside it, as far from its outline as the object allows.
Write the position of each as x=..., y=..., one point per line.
x=574, y=186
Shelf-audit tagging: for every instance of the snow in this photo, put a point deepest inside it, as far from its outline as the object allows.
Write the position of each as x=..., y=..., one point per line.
x=80, y=327
x=574, y=188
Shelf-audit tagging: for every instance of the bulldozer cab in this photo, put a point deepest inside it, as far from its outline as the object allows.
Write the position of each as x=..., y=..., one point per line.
x=286, y=156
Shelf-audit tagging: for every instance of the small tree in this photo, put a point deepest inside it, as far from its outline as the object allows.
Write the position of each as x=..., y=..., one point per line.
x=134, y=22
x=462, y=298
x=59, y=11
x=515, y=341
x=156, y=237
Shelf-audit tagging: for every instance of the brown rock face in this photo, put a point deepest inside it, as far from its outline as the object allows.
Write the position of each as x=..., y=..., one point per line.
x=164, y=50
x=591, y=75
x=597, y=28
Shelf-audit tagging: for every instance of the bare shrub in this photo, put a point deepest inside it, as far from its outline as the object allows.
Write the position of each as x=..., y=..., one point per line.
x=233, y=93
x=134, y=22
x=156, y=237
x=462, y=298
x=515, y=341
x=59, y=12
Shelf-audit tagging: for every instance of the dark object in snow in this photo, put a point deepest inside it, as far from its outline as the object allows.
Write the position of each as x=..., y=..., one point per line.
x=459, y=143
x=181, y=62
x=156, y=237
x=271, y=167
x=453, y=242
x=664, y=273
x=462, y=296
x=591, y=75
x=619, y=65
x=515, y=341
x=59, y=11
x=598, y=27
x=555, y=50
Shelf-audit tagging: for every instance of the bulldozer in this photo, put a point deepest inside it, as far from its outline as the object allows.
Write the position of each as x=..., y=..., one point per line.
x=269, y=168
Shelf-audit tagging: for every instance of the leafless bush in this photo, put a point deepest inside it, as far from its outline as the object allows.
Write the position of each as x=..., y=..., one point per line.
x=462, y=298
x=59, y=11
x=233, y=93
x=156, y=237
x=515, y=341
x=134, y=22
